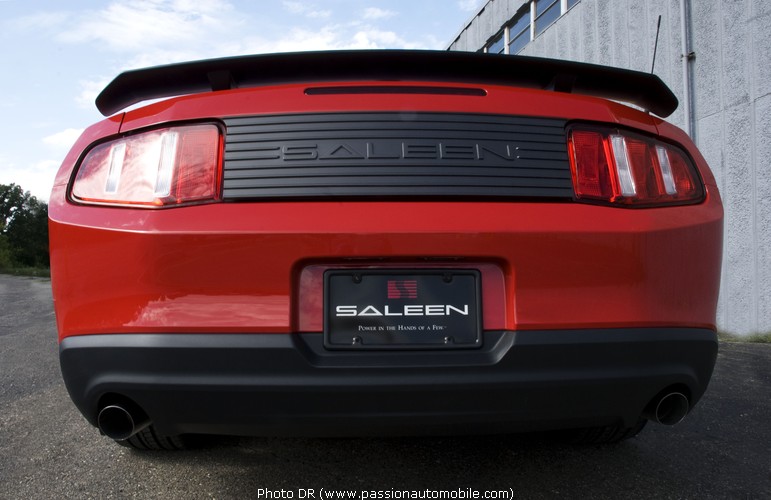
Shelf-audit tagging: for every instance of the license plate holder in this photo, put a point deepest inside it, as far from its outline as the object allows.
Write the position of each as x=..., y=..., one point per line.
x=402, y=309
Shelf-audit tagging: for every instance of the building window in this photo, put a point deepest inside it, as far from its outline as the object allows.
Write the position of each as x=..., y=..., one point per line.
x=530, y=21
x=546, y=12
x=497, y=45
x=519, y=32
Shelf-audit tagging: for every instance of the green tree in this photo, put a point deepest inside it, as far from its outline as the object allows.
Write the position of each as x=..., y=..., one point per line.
x=6, y=262
x=12, y=199
x=23, y=228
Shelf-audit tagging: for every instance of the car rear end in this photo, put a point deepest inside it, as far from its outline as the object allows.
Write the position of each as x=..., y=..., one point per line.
x=443, y=251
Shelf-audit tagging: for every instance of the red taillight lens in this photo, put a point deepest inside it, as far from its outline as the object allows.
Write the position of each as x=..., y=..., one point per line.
x=623, y=168
x=591, y=172
x=158, y=168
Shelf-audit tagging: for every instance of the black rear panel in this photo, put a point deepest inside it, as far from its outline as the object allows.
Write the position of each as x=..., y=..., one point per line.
x=355, y=155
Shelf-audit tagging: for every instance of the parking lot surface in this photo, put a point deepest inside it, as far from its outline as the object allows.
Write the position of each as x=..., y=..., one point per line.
x=47, y=450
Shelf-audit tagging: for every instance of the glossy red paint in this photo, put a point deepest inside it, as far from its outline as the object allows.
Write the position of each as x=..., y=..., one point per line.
x=257, y=267
x=236, y=267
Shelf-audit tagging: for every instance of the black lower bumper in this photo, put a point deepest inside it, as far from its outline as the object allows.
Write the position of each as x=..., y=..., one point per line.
x=276, y=384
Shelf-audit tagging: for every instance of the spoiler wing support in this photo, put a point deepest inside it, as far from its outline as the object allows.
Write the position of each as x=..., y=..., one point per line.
x=645, y=90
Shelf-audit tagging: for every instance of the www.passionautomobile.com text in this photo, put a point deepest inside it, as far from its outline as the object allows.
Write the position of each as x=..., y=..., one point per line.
x=387, y=494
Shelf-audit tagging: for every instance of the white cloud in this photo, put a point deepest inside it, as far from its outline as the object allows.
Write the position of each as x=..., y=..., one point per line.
x=372, y=38
x=150, y=33
x=145, y=33
x=335, y=37
x=160, y=57
x=297, y=39
x=373, y=13
x=64, y=139
x=37, y=175
x=10, y=101
x=40, y=20
x=89, y=90
x=148, y=24
x=470, y=5
x=37, y=178
x=305, y=9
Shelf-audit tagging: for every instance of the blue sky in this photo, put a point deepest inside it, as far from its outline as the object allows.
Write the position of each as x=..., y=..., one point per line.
x=56, y=56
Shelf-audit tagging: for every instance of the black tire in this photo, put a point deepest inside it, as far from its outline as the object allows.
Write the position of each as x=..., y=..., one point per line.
x=149, y=440
x=606, y=435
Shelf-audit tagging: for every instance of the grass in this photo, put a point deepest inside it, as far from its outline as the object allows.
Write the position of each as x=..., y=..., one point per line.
x=758, y=338
x=36, y=272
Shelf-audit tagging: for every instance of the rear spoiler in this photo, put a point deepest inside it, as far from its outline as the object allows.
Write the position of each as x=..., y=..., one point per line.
x=641, y=89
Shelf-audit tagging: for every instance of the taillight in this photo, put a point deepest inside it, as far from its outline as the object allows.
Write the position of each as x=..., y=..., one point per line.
x=158, y=168
x=624, y=168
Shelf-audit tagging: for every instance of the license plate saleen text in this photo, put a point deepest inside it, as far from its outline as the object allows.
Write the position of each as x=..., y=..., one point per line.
x=402, y=309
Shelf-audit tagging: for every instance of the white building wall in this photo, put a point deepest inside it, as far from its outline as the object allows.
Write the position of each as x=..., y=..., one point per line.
x=731, y=74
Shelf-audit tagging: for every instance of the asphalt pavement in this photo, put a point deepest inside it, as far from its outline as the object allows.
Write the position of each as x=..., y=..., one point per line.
x=47, y=450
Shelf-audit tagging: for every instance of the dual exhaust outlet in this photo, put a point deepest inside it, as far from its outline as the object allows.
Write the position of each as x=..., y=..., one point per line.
x=121, y=422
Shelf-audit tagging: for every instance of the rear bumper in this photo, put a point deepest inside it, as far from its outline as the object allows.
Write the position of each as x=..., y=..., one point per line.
x=276, y=384
x=258, y=267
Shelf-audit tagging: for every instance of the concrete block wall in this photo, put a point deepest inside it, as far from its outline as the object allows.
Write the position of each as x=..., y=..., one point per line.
x=620, y=33
x=731, y=74
x=485, y=23
x=732, y=40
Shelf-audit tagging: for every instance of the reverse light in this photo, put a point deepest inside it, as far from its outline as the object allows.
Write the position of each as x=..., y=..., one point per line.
x=159, y=168
x=623, y=168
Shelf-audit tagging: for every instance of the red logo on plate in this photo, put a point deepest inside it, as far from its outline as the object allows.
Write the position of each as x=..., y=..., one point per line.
x=402, y=289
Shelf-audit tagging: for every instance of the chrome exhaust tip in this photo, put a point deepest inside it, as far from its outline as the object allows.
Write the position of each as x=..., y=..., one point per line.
x=118, y=423
x=669, y=409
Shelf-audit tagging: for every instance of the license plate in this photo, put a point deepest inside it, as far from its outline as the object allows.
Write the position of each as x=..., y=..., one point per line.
x=402, y=309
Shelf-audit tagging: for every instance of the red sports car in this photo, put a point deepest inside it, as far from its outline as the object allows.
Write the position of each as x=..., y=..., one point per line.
x=390, y=242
